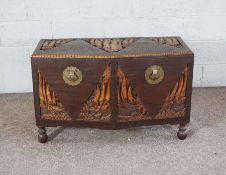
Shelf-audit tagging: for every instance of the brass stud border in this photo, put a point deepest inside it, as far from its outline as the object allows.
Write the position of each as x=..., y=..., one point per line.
x=109, y=56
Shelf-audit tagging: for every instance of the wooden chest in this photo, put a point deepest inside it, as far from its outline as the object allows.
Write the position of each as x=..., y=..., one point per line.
x=112, y=83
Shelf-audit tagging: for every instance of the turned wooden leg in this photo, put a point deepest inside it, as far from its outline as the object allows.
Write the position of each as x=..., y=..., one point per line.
x=42, y=136
x=181, y=133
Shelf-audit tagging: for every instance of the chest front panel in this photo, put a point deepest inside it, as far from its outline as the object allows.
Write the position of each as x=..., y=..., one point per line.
x=112, y=90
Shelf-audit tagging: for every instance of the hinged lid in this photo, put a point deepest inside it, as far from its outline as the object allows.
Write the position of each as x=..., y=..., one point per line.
x=111, y=47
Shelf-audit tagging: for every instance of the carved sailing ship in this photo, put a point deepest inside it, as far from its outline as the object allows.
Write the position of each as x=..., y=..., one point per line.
x=51, y=108
x=97, y=106
x=130, y=106
x=174, y=105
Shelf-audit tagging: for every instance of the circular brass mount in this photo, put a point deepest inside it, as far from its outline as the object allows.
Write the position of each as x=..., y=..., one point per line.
x=154, y=74
x=72, y=76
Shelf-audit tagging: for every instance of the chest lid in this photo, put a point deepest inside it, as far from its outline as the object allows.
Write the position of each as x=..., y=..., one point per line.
x=111, y=47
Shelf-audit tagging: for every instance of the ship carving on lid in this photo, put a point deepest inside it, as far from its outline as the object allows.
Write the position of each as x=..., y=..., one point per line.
x=112, y=45
x=170, y=41
x=49, y=44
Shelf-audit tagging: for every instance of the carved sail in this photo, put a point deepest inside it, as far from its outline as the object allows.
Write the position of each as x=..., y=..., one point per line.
x=130, y=106
x=51, y=108
x=97, y=106
x=174, y=105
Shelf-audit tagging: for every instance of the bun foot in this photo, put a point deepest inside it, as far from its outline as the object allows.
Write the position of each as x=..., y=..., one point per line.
x=42, y=136
x=181, y=133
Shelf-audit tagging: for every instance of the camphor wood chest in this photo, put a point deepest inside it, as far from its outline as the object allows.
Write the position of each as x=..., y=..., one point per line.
x=112, y=83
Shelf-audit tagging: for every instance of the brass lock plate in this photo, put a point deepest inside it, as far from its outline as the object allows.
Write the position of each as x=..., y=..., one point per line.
x=154, y=74
x=72, y=76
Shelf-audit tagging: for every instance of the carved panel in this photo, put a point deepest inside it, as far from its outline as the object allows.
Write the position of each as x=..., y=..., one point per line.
x=49, y=44
x=170, y=41
x=97, y=106
x=111, y=45
x=51, y=108
x=130, y=106
x=174, y=105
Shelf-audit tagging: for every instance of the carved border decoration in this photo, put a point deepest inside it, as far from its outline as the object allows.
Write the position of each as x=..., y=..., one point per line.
x=110, y=56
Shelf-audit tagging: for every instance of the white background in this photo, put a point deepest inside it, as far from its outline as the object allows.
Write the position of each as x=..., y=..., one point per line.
x=201, y=23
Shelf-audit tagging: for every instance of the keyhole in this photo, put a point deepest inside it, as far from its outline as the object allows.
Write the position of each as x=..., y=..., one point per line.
x=72, y=76
x=154, y=74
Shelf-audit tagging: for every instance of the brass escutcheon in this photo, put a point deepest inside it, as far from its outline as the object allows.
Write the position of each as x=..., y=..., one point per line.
x=154, y=74
x=72, y=76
